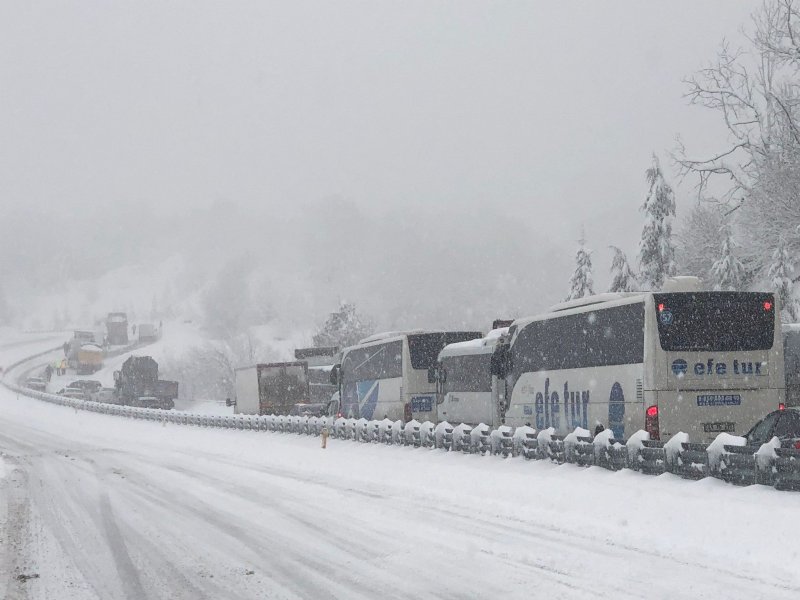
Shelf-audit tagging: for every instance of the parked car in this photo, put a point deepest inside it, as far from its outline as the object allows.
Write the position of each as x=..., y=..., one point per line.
x=149, y=402
x=783, y=424
x=73, y=392
x=105, y=395
x=36, y=383
x=304, y=409
x=87, y=385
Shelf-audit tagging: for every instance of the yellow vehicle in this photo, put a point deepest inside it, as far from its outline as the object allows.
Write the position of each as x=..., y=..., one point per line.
x=90, y=359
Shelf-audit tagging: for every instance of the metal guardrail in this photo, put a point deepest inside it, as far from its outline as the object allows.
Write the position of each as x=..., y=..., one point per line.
x=738, y=465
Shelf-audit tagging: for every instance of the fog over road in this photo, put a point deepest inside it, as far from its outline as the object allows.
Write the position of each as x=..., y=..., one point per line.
x=97, y=506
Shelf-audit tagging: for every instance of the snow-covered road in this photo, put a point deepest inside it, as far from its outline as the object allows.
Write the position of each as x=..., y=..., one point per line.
x=95, y=506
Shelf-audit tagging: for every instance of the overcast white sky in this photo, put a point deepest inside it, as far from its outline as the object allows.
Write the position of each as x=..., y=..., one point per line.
x=549, y=110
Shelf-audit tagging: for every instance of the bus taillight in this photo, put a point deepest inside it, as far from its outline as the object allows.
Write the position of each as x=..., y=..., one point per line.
x=407, y=413
x=781, y=406
x=651, y=422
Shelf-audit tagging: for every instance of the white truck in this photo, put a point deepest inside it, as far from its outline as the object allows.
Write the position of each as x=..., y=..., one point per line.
x=272, y=388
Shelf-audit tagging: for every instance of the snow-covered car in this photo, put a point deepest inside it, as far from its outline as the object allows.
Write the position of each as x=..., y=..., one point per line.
x=73, y=392
x=783, y=424
x=36, y=383
x=88, y=385
x=308, y=409
x=105, y=395
x=150, y=402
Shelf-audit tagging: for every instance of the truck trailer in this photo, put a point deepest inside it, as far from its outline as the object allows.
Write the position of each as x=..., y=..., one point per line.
x=117, y=329
x=90, y=359
x=272, y=388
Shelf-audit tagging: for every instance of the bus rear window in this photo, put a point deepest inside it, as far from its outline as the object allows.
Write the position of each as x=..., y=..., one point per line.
x=715, y=321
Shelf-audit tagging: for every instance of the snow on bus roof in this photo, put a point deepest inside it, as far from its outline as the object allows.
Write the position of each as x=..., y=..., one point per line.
x=385, y=335
x=578, y=306
x=596, y=299
x=478, y=346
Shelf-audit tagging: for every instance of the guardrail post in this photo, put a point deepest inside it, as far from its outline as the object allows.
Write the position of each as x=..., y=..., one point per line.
x=692, y=461
x=787, y=469
x=653, y=457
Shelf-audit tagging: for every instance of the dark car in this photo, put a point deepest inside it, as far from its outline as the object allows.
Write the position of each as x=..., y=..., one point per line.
x=87, y=385
x=783, y=424
x=36, y=383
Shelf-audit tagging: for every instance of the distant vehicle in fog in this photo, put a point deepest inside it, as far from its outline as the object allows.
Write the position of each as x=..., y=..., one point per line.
x=36, y=383
x=90, y=359
x=147, y=332
x=88, y=385
x=117, y=328
x=74, y=392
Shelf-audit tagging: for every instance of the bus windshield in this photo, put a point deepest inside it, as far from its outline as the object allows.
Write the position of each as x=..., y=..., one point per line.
x=470, y=373
x=715, y=321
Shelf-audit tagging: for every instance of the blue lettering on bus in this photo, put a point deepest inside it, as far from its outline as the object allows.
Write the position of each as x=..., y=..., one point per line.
x=550, y=408
x=744, y=367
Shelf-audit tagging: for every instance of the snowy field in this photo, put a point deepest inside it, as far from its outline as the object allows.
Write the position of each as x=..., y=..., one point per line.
x=95, y=506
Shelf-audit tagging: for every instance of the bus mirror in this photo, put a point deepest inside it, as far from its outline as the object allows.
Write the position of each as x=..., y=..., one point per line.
x=335, y=374
x=442, y=375
x=432, y=374
x=499, y=362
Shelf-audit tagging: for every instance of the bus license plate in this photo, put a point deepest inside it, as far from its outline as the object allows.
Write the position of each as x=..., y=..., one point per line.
x=719, y=400
x=719, y=427
x=422, y=403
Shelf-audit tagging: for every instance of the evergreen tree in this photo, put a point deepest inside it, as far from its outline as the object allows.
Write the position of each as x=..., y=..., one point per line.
x=728, y=271
x=581, y=283
x=656, y=249
x=343, y=328
x=781, y=275
x=623, y=279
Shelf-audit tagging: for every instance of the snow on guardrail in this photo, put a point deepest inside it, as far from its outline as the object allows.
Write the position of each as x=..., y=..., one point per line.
x=768, y=465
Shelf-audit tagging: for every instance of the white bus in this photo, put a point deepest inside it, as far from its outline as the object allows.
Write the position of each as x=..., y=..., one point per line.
x=697, y=362
x=467, y=390
x=390, y=375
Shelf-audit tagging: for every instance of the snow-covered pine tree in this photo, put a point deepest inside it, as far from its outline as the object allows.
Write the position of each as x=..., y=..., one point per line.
x=656, y=248
x=581, y=283
x=728, y=271
x=623, y=278
x=343, y=328
x=781, y=275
